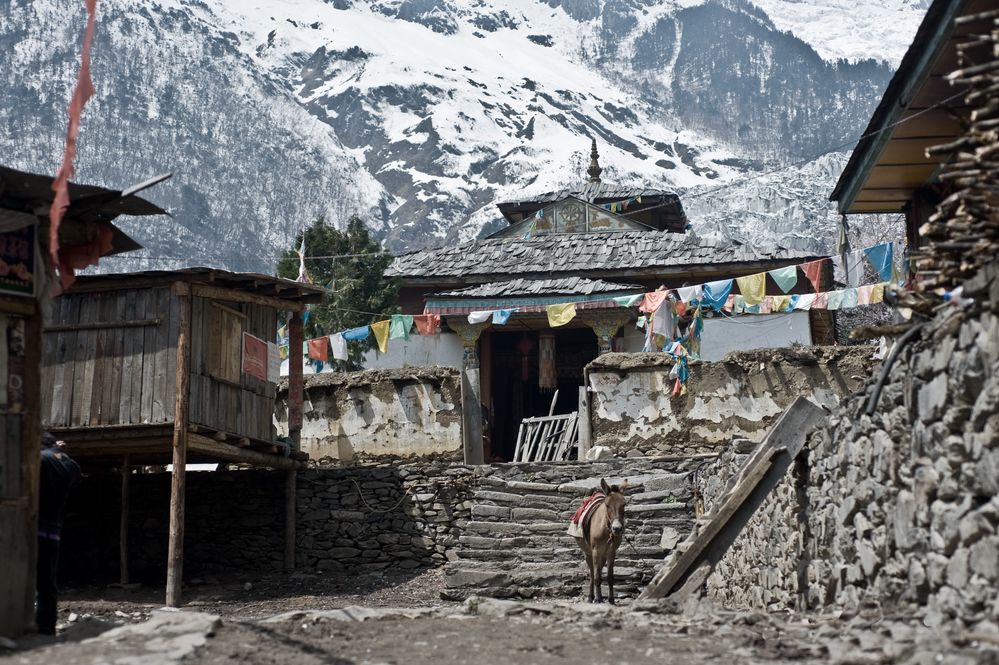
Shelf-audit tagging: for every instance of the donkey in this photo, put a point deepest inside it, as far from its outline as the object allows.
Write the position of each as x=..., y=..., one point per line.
x=603, y=529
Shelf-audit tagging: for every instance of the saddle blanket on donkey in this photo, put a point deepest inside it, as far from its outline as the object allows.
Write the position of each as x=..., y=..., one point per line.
x=579, y=517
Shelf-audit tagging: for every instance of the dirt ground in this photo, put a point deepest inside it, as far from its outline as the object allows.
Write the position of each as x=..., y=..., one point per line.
x=312, y=619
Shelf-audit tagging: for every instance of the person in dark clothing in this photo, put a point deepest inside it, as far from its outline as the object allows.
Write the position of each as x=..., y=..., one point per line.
x=58, y=475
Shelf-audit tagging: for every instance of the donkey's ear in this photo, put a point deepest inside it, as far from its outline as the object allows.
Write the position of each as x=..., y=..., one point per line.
x=604, y=487
x=624, y=486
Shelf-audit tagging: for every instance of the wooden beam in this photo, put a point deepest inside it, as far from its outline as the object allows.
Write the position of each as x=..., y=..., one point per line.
x=232, y=295
x=295, y=380
x=226, y=452
x=761, y=474
x=290, y=486
x=175, y=549
x=71, y=327
x=123, y=526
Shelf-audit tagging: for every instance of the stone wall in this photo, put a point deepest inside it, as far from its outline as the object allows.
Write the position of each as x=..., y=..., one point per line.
x=740, y=396
x=899, y=507
x=374, y=516
x=409, y=411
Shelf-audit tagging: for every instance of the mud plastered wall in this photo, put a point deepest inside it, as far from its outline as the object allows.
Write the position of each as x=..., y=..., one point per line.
x=899, y=507
x=633, y=407
x=410, y=411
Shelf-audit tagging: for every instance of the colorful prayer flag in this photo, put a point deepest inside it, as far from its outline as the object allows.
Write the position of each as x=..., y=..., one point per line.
x=338, y=347
x=501, y=316
x=381, y=331
x=559, y=315
x=400, y=326
x=480, y=317
x=357, y=334
x=813, y=271
x=753, y=287
x=652, y=301
x=716, y=293
x=629, y=301
x=427, y=324
x=318, y=349
x=882, y=258
x=785, y=278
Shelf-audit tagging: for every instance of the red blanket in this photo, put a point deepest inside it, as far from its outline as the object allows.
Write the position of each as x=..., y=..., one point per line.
x=589, y=503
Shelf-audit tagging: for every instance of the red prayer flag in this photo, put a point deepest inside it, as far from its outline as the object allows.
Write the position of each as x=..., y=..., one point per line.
x=427, y=324
x=813, y=271
x=652, y=301
x=83, y=91
x=319, y=348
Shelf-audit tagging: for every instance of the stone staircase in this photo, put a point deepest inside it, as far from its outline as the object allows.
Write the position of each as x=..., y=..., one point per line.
x=515, y=544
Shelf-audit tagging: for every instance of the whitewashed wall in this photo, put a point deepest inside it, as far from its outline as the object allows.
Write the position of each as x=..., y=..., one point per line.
x=740, y=333
x=443, y=350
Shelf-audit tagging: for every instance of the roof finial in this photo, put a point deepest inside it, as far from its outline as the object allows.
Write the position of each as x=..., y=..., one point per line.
x=594, y=170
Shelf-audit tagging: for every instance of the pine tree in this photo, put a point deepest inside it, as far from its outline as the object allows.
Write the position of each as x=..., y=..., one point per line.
x=352, y=268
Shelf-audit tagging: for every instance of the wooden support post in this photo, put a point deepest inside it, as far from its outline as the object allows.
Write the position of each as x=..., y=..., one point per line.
x=175, y=549
x=123, y=527
x=585, y=431
x=471, y=390
x=295, y=387
x=295, y=398
x=290, y=483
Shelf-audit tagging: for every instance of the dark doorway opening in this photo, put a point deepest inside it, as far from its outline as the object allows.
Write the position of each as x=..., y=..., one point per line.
x=515, y=371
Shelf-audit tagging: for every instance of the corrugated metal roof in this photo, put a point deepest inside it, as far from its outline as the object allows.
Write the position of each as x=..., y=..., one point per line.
x=532, y=287
x=581, y=253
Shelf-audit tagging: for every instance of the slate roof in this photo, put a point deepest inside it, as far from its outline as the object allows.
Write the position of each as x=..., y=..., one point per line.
x=582, y=253
x=667, y=203
x=569, y=286
x=592, y=191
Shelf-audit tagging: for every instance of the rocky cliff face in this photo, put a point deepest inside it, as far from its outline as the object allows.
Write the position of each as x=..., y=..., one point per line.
x=418, y=115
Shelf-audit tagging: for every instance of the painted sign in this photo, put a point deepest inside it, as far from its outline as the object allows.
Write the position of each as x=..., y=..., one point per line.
x=273, y=362
x=17, y=262
x=254, y=356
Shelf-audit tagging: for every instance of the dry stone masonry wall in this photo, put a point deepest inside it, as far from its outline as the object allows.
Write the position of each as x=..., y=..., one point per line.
x=899, y=507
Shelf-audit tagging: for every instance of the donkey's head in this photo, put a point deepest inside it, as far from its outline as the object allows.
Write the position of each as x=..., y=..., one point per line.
x=614, y=503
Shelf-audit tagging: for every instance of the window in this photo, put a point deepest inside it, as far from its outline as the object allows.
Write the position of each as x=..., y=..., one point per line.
x=225, y=342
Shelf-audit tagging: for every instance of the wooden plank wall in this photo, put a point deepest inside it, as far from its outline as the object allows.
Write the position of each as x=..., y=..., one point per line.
x=242, y=408
x=113, y=374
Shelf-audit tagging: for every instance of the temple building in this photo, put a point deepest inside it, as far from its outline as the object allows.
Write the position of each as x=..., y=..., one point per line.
x=585, y=244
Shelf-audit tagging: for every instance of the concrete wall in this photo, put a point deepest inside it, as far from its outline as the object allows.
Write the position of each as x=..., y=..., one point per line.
x=633, y=407
x=414, y=411
x=740, y=333
x=897, y=508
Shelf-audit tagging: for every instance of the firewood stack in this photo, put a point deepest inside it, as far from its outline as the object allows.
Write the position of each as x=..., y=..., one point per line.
x=963, y=235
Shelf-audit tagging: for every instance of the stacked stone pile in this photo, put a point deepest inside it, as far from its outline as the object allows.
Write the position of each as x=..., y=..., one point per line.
x=516, y=543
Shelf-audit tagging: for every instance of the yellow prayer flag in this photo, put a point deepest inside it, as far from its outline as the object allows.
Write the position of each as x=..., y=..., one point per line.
x=780, y=303
x=753, y=287
x=878, y=293
x=381, y=331
x=559, y=315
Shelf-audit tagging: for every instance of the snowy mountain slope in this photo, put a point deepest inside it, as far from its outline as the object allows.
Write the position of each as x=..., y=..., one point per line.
x=850, y=29
x=420, y=114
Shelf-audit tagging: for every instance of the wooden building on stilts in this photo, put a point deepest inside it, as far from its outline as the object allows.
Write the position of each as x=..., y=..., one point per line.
x=170, y=367
x=26, y=270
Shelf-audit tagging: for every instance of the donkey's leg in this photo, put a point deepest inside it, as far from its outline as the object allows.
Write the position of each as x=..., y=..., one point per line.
x=598, y=572
x=588, y=553
x=610, y=577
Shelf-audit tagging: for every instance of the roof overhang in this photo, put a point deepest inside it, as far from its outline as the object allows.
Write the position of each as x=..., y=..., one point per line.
x=920, y=109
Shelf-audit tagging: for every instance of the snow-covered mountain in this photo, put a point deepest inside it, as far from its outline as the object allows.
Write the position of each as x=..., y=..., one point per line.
x=418, y=115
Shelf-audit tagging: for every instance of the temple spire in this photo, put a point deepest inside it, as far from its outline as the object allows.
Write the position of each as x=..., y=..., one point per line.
x=594, y=170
